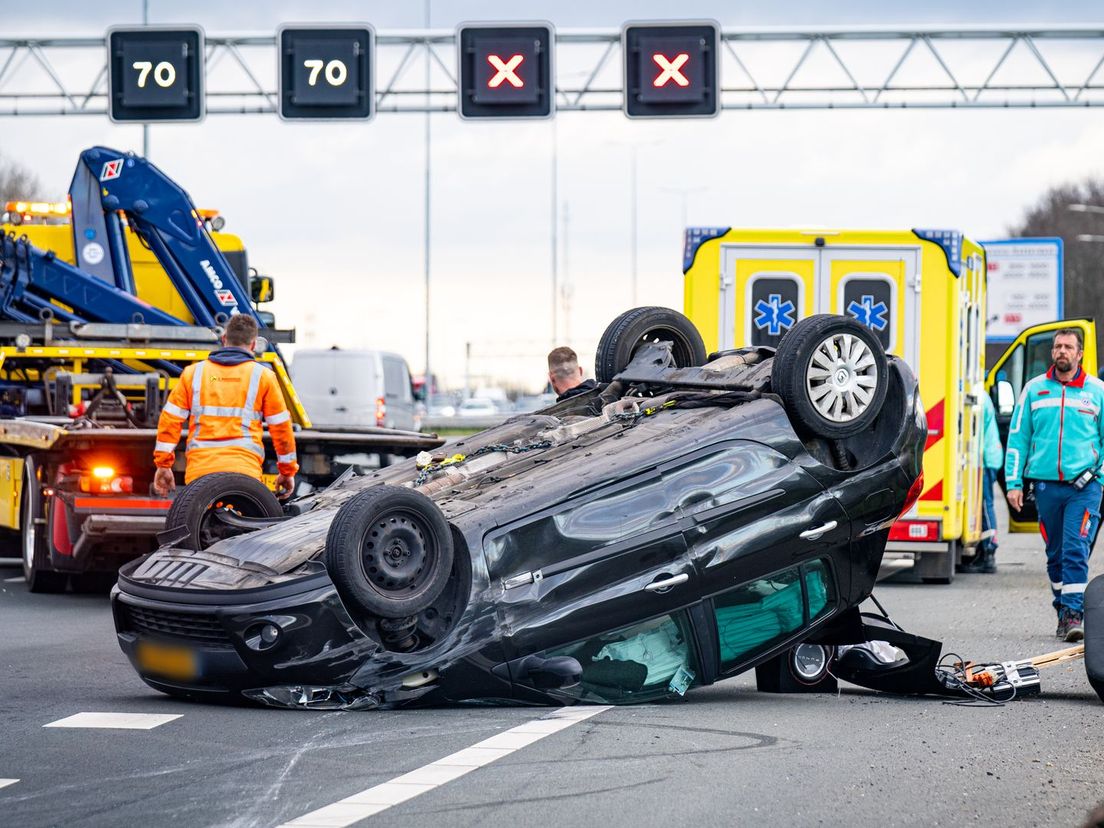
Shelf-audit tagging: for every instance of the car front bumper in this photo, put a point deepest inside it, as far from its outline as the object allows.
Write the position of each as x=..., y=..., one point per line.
x=294, y=638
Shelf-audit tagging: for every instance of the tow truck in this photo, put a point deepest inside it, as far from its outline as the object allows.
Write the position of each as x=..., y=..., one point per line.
x=104, y=300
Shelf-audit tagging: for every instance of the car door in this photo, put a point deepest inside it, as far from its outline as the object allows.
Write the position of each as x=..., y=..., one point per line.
x=606, y=560
x=1027, y=357
x=746, y=509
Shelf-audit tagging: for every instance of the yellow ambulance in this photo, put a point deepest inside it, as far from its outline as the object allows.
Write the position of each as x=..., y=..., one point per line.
x=921, y=291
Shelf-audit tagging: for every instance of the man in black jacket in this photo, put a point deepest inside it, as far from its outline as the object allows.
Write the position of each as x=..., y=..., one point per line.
x=566, y=375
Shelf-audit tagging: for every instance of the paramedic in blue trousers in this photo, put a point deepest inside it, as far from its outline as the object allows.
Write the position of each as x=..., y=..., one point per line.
x=1056, y=439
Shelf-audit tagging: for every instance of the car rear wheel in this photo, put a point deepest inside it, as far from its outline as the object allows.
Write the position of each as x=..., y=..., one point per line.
x=197, y=507
x=37, y=572
x=389, y=551
x=832, y=375
x=641, y=326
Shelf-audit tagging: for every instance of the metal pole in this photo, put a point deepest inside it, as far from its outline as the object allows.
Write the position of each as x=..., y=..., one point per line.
x=428, y=376
x=145, y=127
x=467, y=370
x=633, y=220
x=555, y=234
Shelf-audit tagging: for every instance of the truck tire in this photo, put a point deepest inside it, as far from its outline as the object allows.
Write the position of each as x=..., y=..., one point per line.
x=832, y=374
x=1094, y=634
x=37, y=571
x=195, y=504
x=389, y=552
x=638, y=326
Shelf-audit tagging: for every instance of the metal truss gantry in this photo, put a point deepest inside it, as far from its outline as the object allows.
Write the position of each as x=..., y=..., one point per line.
x=854, y=68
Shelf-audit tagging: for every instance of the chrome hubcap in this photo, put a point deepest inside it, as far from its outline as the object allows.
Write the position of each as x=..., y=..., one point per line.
x=841, y=378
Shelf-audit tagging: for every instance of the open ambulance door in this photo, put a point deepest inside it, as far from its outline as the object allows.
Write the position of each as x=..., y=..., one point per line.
x=1027, y=357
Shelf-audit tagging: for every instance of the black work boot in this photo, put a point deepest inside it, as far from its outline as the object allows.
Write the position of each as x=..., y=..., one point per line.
x=1075, y=626
x=984, y=563
x=1063, y=623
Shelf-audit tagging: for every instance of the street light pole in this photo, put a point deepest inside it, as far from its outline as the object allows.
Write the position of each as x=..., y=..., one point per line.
x=428, y=377
x=632, y=196
x=555, y=233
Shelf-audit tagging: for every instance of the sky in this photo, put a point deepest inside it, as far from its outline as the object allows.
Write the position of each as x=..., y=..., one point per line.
x=335, y=211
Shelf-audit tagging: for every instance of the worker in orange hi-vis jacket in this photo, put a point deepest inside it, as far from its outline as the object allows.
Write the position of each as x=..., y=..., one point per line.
x=227, y=397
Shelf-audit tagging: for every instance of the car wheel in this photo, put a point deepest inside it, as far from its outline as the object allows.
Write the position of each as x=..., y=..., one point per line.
x=197, y=504
x=810, y=664
x=1094, y=634
x=37, y=572
x=640, y=326
x=389, y=552
x=831, y=373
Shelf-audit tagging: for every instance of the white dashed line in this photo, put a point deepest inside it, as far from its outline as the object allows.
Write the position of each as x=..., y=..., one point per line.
x=353, y=809
x=121, y=721
x=5, y=782
x=18, y=580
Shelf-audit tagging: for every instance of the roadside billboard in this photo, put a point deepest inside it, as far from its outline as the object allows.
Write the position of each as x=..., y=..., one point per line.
x=1024, y=285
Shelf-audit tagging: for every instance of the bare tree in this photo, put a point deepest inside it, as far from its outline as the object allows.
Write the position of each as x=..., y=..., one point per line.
x=1083, y=260
x=17, y=182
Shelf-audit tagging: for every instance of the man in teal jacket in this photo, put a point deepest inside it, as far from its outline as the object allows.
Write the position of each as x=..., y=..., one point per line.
x=1056, y=439
x=992, y=458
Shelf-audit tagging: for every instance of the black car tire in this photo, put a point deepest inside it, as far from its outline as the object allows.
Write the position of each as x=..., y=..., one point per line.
x=635, y=327
x=808, y=360
x=1094, y=634
x=389, y=551
x=194, y=504
x=34, y=538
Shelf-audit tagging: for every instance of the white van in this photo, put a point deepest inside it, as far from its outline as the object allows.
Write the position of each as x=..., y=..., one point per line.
x=341, y=388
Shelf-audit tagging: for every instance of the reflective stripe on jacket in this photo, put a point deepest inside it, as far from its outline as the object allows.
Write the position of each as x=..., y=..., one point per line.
x=228, y=407
x=1056, y=430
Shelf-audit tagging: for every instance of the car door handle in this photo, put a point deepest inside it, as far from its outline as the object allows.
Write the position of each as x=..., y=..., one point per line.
x=667, y=583
x=817, y=531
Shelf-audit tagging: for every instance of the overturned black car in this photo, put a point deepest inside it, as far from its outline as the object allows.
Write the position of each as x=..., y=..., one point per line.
x=686, y=520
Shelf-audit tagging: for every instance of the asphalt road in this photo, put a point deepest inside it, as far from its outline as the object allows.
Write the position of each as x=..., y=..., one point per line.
x=724, y=755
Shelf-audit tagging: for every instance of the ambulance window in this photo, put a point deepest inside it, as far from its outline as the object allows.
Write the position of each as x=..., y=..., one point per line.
x=1013, y=370
x=1038, y=354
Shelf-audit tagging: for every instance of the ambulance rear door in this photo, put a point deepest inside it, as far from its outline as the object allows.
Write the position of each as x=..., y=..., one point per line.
x=879, y=287
x=764, y=291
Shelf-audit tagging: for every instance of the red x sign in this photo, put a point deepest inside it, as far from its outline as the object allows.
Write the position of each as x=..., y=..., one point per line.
x=505, y=71
x=670, y=69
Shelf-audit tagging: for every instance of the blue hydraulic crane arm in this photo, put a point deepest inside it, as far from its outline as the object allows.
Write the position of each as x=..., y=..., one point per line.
x=163, y=214
x=33, y=282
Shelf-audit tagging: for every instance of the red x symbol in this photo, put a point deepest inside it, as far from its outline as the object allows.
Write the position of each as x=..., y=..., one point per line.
x=505, y=71
x=670, y=69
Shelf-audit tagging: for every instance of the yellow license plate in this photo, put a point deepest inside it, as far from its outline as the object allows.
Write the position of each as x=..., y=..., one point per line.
x=269, y=480
x=165, y=660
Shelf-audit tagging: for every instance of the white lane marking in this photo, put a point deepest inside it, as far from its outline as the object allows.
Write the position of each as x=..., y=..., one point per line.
x=353, y=809
x=5, y=782
x=18, y=580
x=122, y=721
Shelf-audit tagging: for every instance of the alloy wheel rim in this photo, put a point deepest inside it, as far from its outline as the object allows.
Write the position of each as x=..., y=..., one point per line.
x=841, y=378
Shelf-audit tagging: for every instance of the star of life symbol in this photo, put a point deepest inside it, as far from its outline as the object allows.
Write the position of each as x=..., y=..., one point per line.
x=870, y=314
x=773, y=314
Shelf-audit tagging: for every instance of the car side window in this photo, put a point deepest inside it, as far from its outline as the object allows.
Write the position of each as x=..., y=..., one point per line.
x=756, y=615
x=638, y=663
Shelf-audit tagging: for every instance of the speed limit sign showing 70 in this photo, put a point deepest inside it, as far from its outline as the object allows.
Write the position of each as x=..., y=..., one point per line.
x=155, y=74
x=326, y=72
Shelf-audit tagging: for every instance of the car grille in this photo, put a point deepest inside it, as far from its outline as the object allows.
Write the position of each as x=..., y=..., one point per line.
x=163, y=624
